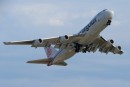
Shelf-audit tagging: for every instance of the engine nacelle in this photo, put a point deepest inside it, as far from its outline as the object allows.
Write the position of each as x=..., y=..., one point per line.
x=37, y=43
x=117, y=49
x=109, y=43
x=63, y=39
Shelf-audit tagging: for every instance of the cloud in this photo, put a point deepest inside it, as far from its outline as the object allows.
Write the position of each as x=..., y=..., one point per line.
x=69, y=82
x=56, y=22
x=44, y=14
x=116, y=23
x=37, y=14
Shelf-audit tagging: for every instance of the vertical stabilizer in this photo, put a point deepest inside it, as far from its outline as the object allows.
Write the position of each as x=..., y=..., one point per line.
x=50, y=51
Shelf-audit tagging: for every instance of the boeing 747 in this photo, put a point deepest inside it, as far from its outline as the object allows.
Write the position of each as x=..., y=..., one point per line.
x=58, y=49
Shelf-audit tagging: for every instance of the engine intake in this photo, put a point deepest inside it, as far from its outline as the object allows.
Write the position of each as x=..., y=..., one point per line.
x=37, y=43
x=109, y=43
x=63, y=39
x=117, y=49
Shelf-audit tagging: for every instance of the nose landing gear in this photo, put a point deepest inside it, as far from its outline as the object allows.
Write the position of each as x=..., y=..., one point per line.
x=108, y=22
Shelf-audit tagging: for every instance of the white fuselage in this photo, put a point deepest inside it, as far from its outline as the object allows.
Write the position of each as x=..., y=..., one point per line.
x=90, y=32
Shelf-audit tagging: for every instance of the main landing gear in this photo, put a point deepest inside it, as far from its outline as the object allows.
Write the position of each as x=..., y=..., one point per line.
x=77, y=47
x=85, y=49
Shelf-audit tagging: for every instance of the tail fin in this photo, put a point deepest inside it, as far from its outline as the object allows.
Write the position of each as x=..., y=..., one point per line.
x=50, y=51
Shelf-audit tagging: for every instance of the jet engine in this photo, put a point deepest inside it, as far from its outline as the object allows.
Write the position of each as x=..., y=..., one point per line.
x=106, y=45
x=109, y=43
x=63, y=39
x=37, y=43
x=117, y=49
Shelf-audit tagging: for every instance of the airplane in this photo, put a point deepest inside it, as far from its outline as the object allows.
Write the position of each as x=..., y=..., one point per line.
x=59, y=49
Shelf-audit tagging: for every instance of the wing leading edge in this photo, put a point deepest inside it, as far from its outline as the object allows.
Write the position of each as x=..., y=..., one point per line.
x=45, y=42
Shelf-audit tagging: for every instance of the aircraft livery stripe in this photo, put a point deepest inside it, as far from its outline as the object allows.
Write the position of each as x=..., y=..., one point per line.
x=57, y=53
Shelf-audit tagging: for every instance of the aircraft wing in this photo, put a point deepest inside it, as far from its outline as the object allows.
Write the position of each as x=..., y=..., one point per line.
x=107, y=46
x=26, y=42
x=47, y=41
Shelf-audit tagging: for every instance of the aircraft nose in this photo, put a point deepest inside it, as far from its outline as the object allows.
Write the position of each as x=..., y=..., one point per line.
x=109, y=14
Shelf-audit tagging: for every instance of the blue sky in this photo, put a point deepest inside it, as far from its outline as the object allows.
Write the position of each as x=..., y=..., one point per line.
x=32, y=19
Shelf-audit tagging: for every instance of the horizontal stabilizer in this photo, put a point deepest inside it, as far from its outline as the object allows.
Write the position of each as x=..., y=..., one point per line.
x=40, y=61
x=61, y=63
x=46, y=61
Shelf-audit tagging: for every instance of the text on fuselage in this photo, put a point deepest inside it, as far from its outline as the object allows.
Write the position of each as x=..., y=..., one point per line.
x=88, y=26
